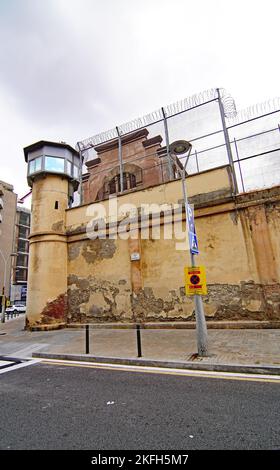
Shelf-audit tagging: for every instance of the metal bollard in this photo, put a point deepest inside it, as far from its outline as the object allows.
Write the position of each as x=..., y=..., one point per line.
x=138, y=335
x=87, y=339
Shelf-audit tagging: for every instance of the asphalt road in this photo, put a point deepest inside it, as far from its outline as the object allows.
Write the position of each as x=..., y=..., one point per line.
x=60, y=407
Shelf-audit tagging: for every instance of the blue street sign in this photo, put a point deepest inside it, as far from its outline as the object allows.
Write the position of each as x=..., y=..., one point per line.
x=193, y=243
x=191, y=219
x=192, y=233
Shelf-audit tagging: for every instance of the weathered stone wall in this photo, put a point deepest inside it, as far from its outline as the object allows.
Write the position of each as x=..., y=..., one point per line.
x=239, y=245
x=99, y=283
x=246, y=301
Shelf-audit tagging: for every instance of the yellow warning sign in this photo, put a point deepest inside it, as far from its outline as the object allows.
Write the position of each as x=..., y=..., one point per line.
x=195, y=280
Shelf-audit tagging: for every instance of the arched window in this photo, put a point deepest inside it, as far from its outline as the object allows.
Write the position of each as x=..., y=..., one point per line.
x=129, y=182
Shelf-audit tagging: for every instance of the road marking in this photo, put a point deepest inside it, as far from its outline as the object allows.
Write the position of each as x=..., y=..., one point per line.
x=19, y=366
x=166, y=371
x=4, y=363
x=26, y=353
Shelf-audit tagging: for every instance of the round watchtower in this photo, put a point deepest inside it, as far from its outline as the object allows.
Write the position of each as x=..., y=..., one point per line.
x=53, y=174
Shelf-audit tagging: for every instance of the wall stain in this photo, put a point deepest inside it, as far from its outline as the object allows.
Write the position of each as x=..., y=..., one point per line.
x=58, y=226
x=74, y=250
x=147, y=307
x=55, y=310
x=92, y=250
x=95, y=250
x=91, y=299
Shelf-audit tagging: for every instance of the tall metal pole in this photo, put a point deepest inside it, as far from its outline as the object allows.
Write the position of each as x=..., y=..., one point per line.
x=171, y=175
x=228, y=147
x=4, y=289
x=201, y=327
x=196, y=159
x=239, y=165
x=120, y=159
x=80, y=173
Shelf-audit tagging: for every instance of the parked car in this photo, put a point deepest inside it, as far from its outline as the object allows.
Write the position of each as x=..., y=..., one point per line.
x=16, y=308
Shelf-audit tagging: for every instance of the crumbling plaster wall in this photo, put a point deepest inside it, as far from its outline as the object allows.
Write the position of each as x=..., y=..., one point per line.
x=234, y=288
x=238, y=242
x=99, y=283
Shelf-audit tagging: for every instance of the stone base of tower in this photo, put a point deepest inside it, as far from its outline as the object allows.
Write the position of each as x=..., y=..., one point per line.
x=47, y=281
x=44, y=327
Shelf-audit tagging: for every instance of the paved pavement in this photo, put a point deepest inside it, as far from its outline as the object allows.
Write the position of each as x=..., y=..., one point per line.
x=251, y=346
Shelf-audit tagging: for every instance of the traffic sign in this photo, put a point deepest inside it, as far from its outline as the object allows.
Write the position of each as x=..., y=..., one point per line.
x=191, y=219
x=192, y=233
x=195, y=280
x=193, y=243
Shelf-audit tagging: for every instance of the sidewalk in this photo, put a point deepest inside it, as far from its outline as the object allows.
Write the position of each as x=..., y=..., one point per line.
x=253, y=347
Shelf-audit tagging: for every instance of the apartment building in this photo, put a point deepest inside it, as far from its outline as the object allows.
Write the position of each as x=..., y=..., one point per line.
x=8, y=206
x=20, y=262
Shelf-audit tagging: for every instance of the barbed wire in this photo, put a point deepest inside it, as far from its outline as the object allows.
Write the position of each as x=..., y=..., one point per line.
x=203, y=98
x=171, y=110
x=256, y=110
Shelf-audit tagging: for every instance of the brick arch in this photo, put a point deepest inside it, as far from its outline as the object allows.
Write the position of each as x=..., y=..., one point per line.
x=131, y=168
x=127, y=168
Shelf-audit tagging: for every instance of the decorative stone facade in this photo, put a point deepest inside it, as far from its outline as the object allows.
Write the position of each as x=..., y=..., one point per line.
x=145, y=164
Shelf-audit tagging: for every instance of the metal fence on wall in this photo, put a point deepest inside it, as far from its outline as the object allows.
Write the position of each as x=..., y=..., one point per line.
x=248, y=140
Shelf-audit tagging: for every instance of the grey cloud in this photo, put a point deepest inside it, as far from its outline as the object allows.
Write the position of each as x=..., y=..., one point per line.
x=53, y=75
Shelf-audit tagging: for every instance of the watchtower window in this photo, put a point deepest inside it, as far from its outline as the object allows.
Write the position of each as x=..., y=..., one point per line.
x=129, y=182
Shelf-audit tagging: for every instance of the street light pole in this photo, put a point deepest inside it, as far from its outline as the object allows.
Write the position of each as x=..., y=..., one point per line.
x=4, y=285
x=201, y=327
x=3, y=290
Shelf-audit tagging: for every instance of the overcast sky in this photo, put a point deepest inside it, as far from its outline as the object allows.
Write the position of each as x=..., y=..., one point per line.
x=73, y=68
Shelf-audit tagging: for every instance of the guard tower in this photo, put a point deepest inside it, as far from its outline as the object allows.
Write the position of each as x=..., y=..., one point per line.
x=53, y=174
